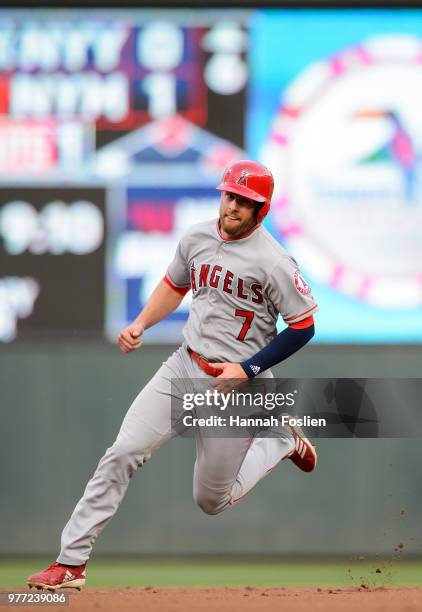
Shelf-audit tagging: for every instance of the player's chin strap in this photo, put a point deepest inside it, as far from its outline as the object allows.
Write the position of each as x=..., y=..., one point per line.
x=282, y=346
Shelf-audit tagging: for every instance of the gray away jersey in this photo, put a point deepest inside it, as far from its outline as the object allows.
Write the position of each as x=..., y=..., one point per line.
x=239, y=287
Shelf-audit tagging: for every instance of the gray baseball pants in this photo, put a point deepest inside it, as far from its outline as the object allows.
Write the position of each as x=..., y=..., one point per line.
x=225, y=470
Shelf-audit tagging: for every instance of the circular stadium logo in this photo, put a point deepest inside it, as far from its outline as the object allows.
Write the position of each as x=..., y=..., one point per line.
x=346, y=149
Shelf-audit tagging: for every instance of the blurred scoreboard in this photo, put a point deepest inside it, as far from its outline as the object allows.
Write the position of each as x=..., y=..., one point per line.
x=53, y=252
x=115, y=128
x=113, y=72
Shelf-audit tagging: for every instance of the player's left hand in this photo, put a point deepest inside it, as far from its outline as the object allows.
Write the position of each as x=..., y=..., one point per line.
x=232, y=376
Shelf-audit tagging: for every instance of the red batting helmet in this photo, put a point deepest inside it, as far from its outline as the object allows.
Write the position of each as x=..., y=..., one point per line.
x=251, y=180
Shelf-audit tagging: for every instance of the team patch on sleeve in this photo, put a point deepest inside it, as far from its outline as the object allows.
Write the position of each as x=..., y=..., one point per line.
x=300, y=284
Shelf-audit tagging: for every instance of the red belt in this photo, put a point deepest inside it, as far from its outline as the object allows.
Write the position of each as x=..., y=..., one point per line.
x=205, y=365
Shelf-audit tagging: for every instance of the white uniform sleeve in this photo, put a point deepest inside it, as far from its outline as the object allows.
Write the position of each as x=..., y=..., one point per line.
x=178, y=271
x=289, y=292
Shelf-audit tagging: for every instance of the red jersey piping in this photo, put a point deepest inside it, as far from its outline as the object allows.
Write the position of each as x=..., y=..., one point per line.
x=301, y=314
x=180, y=290
x=304, y=323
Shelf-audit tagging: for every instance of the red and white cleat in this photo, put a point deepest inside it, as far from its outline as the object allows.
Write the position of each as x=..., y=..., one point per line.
x=58, y=576
x=304, y=454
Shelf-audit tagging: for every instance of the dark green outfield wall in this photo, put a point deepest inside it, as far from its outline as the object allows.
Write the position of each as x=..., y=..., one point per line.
x=62, y=404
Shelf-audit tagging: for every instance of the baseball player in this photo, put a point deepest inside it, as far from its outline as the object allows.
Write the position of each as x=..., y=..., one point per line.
x=241, y=280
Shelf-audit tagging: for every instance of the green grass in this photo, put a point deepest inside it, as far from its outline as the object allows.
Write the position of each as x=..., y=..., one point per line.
x=208, y=573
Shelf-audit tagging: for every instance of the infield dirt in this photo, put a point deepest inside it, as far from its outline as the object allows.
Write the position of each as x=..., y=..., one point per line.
x=249, y=599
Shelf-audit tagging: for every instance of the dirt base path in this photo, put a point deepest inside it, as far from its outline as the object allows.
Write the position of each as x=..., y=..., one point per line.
x=248, y=599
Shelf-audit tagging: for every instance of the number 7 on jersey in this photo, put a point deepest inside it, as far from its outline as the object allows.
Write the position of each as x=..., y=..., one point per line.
x=248, y=315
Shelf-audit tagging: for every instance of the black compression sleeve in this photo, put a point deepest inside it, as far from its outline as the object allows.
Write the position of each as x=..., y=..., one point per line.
x=282, y=346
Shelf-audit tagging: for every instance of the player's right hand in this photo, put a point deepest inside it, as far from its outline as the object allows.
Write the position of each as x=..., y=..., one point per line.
x=130, y=338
